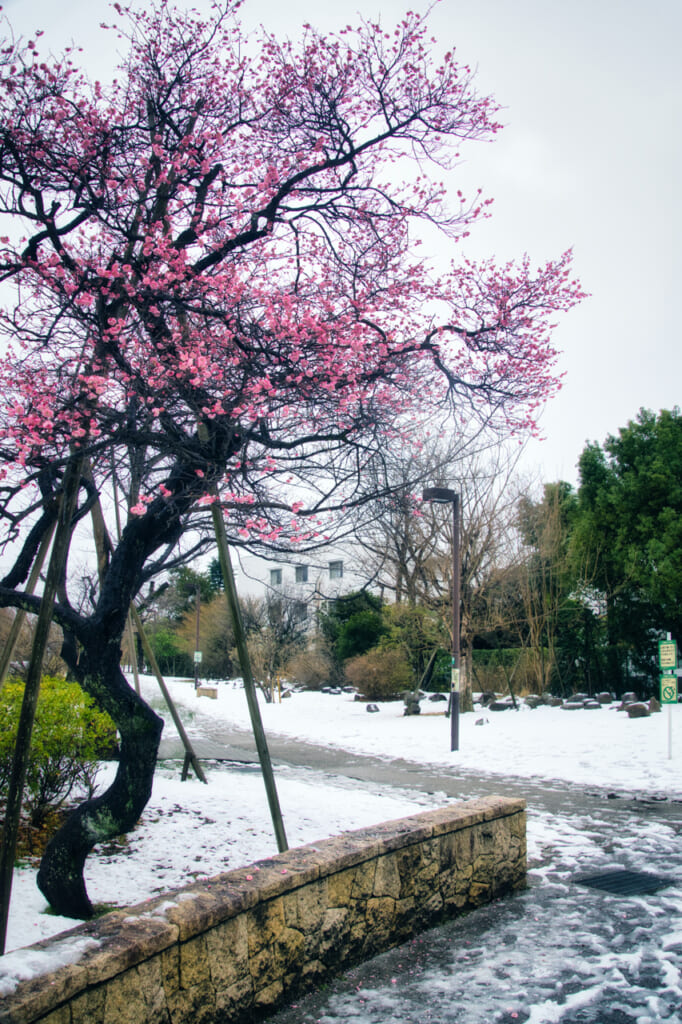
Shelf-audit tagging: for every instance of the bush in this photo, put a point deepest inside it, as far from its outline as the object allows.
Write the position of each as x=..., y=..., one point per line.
x=362, y=631
x=70, y=737
x=381, y=674
x=500, y=669
x=311, y=668
x=420, y=631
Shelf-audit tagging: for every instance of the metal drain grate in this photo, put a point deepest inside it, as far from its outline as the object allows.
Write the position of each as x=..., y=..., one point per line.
x=625, y=883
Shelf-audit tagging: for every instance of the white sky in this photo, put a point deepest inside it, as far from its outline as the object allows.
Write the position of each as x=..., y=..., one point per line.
x=592, y=92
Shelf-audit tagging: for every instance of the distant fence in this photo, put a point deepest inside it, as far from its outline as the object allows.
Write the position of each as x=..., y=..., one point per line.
x=233, y=948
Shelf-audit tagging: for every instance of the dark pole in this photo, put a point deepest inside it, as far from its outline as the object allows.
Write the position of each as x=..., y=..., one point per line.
x=454, y=684
x=446, y=496
x=197, y=636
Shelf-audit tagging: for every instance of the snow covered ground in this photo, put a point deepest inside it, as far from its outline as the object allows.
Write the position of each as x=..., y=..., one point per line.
x=596, y=748
x=190, y=830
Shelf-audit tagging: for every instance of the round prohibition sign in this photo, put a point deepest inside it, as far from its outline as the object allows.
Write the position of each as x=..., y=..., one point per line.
x=669, y=692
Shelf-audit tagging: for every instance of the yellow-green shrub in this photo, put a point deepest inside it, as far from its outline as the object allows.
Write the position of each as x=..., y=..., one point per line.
x=381, y=674
x=71, y=736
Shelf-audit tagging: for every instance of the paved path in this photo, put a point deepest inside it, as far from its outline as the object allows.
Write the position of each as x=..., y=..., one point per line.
x=556, y=952
x=237, y=746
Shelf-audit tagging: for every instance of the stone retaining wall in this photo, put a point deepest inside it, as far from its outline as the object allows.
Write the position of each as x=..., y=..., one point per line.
x=231, y=949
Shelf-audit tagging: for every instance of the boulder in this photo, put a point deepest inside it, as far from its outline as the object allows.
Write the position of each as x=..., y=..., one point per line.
x=629, y=698
x=638, y=711
x=592, y=705
x=654, y=705
x=604, y=697
x=487, y=697
x=372, y=708
x=500, y=705
x=572, y=705
x=438, y=696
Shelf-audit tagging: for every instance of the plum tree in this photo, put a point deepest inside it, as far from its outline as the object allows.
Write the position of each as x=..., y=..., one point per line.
x=210, y=289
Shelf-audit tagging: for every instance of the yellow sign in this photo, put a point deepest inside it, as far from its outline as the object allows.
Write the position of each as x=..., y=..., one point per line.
x=454, y=680
x=667, y=654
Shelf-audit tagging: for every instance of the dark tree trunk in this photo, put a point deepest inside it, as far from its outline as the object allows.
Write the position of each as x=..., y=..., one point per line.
x=92, y=652
x=60, y=877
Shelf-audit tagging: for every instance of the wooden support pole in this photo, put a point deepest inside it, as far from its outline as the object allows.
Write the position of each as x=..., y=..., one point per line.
x=15, y=629
x=154, y=665
x=70, y=486
x=133, y=652
x=249, y=686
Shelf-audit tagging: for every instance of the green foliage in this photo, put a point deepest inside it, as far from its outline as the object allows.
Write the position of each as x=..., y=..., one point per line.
x=628, y=539
x=418, y=631
x=172, y=659
x=508, y=670
x=582, y=652
x=353, y=624
x=70, y=737
x=215, y=575
x=381, y=674
x=342, y=608
x=182, y=592
x=362, y=631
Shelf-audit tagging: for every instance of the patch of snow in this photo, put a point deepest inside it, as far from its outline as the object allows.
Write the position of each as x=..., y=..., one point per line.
x=191, y=831
x=30, y=963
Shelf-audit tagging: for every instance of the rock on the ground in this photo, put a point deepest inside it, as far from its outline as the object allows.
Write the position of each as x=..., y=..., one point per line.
x=638, y=711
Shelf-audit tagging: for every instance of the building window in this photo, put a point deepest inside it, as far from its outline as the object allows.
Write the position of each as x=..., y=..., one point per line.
x=301, y=573
x=335, y=570
x=275, y=577
x=300, y=611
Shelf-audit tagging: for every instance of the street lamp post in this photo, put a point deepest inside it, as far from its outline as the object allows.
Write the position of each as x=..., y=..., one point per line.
x=445, y=496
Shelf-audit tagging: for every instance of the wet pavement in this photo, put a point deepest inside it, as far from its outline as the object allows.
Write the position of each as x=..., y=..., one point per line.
x=558, y=951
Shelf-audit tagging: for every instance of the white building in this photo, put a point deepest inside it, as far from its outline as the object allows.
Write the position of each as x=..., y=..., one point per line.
x=311, y=578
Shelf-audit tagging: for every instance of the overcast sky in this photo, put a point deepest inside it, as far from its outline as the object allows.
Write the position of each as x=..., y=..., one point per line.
x=592, y=97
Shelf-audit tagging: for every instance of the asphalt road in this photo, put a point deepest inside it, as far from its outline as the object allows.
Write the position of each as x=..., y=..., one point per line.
x=237, y=746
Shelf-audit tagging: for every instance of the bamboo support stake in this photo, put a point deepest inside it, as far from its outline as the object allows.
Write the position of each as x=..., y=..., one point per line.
x=133, y=652
x=62, y=539
x=249, y=686
x=15, y=629
x=154, y=665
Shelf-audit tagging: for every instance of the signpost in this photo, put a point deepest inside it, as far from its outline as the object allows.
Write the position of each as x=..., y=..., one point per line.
x=667, y=663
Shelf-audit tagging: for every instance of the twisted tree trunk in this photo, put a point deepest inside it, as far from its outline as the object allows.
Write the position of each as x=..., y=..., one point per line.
x=114, y=812
x=92, y=650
